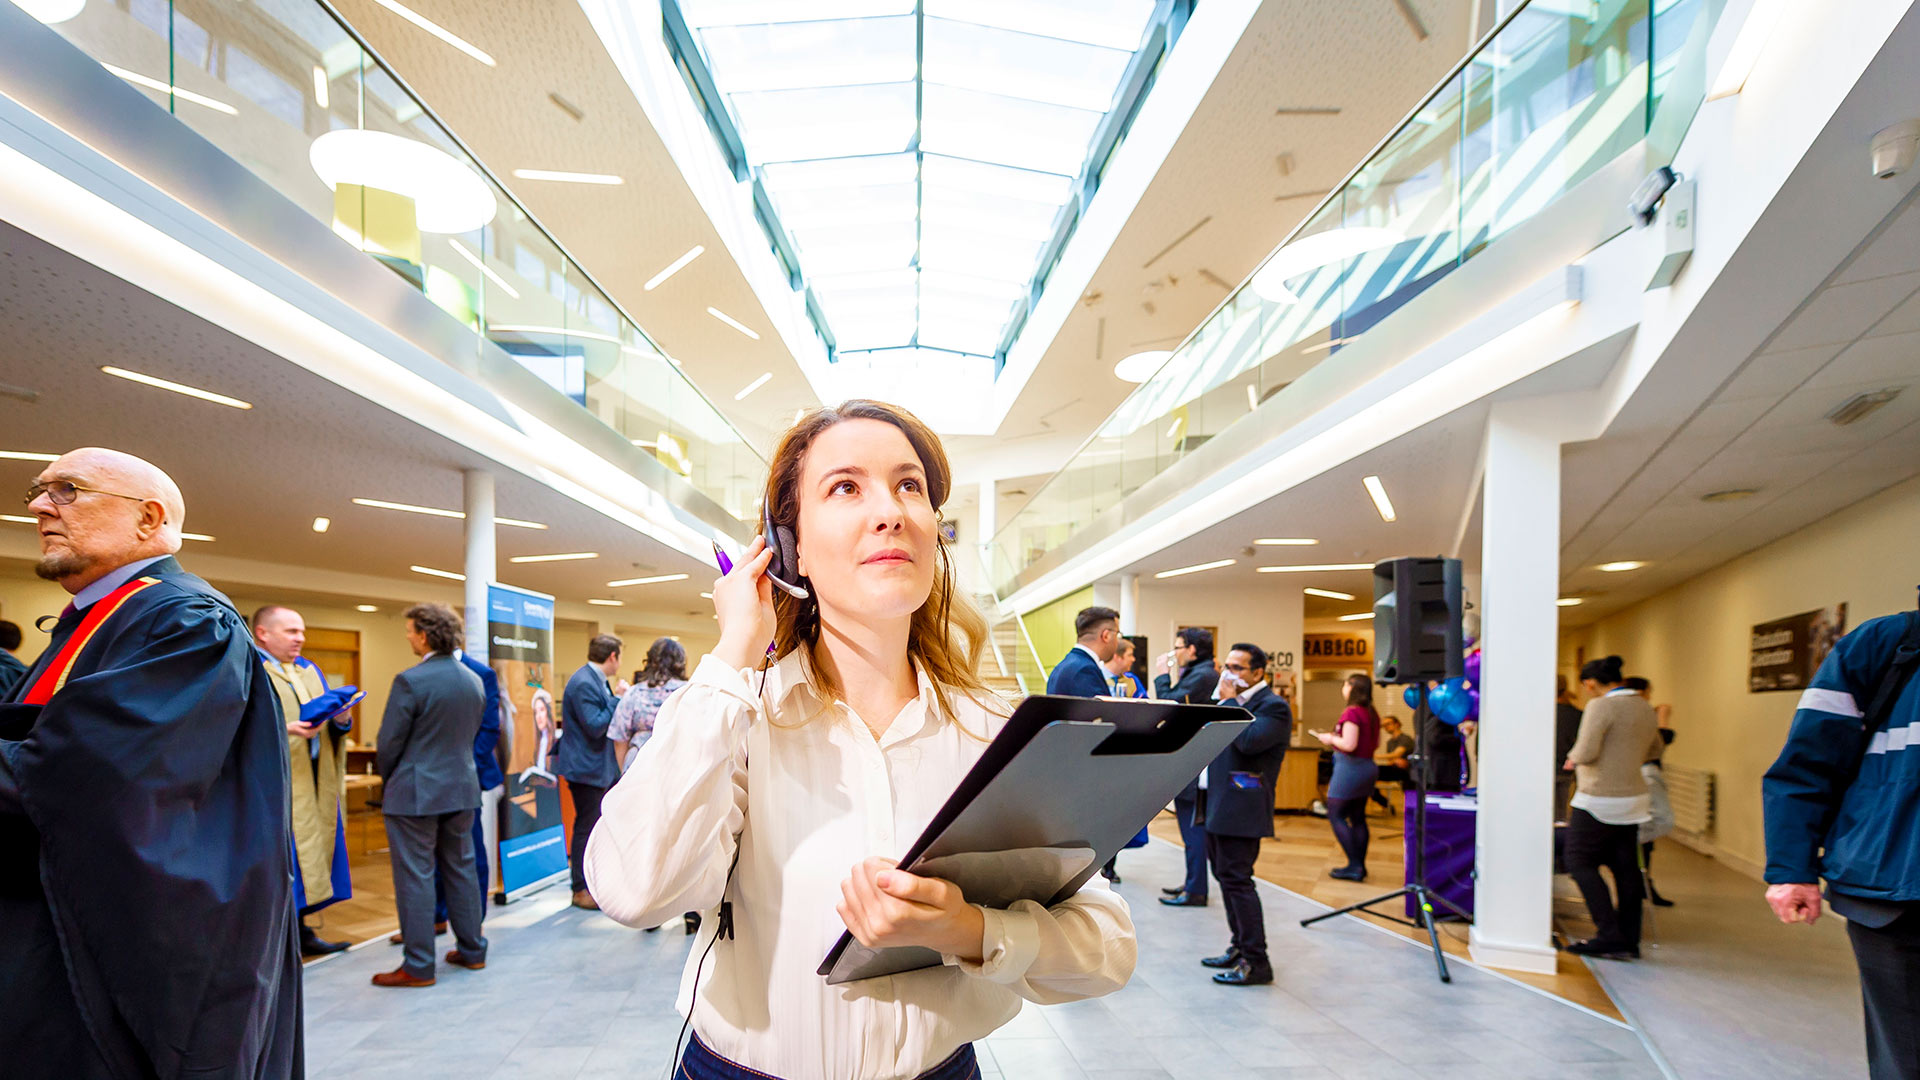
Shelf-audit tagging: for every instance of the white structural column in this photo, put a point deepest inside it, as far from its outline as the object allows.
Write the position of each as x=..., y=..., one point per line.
x=1520, y=575
x=481, y=557
x=1129, y=603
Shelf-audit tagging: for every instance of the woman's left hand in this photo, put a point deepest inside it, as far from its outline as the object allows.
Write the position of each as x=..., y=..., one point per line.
x=886, y=907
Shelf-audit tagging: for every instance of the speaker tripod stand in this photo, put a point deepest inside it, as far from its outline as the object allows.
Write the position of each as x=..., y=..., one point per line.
x=1423, y=897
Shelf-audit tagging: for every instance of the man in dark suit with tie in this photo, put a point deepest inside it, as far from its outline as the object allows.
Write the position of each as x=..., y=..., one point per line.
x=1187, y=675
x=587, y=757
x=425, y=759
x=1083, y=673
x=1236, y=809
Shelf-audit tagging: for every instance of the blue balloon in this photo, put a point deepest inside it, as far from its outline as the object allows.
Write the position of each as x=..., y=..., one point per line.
x=1411, y=696
x=1452, y=703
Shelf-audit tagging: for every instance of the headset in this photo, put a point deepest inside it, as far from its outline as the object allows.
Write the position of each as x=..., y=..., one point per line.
x=782, y=570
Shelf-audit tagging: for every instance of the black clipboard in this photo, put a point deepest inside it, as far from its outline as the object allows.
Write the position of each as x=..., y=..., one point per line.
x=1066, y=783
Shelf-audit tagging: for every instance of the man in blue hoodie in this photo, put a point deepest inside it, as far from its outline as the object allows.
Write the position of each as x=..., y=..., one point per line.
x=1839, y=805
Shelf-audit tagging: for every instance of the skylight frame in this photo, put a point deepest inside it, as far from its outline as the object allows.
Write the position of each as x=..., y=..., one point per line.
x=805, y=248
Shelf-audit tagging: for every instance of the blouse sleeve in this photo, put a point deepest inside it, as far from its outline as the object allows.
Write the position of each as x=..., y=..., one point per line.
x=626, y=716
x=1080, y=948
x=668, y=830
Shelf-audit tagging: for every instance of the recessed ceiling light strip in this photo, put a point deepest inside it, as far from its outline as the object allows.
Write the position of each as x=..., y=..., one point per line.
x=438, y=31
x=601, y=179
x=733, y=322
x=178, y=388
x=673, y=268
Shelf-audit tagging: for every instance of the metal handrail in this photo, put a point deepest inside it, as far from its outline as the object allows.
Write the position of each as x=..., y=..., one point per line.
x=1306, y=219
x=447, y=130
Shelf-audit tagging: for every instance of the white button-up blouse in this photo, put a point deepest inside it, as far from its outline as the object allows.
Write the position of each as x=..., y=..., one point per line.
x=804, y=795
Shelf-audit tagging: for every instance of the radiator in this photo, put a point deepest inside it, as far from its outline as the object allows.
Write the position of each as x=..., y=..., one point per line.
x=1691, y=793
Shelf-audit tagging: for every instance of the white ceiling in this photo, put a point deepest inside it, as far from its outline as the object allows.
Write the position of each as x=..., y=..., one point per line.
x=256, y=479
x=1236, y=182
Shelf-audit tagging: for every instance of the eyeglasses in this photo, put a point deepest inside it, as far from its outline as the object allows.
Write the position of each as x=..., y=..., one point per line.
x=63, y=492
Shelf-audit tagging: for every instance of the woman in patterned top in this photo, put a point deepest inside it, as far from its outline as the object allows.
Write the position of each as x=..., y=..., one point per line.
x=665, y=672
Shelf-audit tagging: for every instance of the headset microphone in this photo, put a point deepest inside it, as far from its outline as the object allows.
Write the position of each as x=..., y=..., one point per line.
x=785, y=555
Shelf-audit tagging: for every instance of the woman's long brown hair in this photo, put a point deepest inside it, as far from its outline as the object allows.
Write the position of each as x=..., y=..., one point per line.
x=948, y=634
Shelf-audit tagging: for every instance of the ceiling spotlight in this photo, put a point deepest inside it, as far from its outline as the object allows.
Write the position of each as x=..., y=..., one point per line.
x=1380, y=500
x=1357, y=618
x=178, y=388
x=321, y=524
x=733, y=322
x=1285, y=541
x=1215, y=565
x=365, y=607
x=1140, y=367
x=606, y=603
x=623, y=583
x=1620, y=567
x=673, y=268
x=752, y=386
x=1328, y=593
x=1860, y=406
x=1729, y=495
x=602, y=179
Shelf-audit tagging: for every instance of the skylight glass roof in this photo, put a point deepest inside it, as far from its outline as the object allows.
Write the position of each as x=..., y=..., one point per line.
x=920, y=157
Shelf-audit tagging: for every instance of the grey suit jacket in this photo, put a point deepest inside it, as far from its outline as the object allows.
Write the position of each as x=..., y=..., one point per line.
x=426, y=739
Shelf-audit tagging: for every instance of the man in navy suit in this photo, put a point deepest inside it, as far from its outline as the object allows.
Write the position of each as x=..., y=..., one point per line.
x=586, y=756
x=1083, y=673
x=1236, y=809
x=1187, y=675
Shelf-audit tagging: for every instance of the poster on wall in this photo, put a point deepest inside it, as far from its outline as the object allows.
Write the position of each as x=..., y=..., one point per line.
x=1786, y=652
x=533, y=847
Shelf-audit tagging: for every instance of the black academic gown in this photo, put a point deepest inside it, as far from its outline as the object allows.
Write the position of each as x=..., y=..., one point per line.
x=146, y=904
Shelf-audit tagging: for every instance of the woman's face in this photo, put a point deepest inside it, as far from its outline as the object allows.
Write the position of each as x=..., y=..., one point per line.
x=866, y=539
x=1346, y=691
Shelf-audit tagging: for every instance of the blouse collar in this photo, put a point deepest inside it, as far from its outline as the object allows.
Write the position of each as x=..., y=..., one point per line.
x=789, y=676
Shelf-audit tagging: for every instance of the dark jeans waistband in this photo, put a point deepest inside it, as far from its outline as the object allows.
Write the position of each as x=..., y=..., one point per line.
x=700, y=1063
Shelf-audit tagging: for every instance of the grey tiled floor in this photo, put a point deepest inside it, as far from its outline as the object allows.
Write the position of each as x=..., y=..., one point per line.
x=1350, y=1003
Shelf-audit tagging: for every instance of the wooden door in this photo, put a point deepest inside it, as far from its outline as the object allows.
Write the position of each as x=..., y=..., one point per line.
x=337, y=654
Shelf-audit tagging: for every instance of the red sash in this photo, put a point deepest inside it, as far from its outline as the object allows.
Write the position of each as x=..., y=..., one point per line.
x=55, y=676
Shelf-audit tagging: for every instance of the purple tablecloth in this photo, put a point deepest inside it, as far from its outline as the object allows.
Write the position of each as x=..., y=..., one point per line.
x=1450, y=824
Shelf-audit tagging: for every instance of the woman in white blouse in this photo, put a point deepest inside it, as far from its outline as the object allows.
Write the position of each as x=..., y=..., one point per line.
x=817, y=768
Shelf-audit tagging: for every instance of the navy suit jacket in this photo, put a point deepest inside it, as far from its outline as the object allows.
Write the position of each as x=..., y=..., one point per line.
x=1078, y=675
x=586, y=754
x=486, y=763
x=1233, y=804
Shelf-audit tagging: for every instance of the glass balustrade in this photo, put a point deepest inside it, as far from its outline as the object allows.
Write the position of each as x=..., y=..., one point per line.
x=284, y=88
x=1560, y=90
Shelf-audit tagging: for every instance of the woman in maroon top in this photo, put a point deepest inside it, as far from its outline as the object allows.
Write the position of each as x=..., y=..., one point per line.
x=1353, y=740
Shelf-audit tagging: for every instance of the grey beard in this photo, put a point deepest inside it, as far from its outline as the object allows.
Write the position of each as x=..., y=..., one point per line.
x=67, y=564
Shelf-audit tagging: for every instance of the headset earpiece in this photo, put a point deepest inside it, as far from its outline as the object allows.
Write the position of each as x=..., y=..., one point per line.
x=785, y=564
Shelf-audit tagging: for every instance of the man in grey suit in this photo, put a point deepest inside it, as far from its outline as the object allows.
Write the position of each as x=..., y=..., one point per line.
x=586, y=756
x=426, y=761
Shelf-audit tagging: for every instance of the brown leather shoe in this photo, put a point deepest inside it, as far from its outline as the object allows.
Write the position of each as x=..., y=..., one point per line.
x=459, y=959
x=395, y=938
x=584, y=899
x=399, y=977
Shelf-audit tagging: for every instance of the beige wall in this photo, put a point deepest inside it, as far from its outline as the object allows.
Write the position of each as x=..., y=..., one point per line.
x=1691, y=641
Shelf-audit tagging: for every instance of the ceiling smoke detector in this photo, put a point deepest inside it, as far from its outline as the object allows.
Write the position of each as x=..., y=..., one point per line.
x=1860, y=406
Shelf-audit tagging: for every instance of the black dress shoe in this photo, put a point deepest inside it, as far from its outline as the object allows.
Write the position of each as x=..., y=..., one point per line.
x=1182, y=899
x=312, y=945
x=1658, y=900
x=1243, y=973
x=1604, y=950
x=1224, y=960
x=1175, y=891
x=1349, y=873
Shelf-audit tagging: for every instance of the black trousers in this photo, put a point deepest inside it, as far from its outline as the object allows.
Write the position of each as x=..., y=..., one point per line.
x=1232, y=858
x=586, y=814
x=1592, y=844
x=1194, y=838
x=1889, y=959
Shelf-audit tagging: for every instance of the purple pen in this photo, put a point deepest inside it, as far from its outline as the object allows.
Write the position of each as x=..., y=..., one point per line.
x=726, y=564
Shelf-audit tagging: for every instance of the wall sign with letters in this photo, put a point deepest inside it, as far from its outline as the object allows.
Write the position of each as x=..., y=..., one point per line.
x=1785, y=653
x=1338, y=650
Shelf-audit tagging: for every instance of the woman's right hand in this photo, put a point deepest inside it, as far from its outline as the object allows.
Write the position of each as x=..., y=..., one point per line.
x=743, y=600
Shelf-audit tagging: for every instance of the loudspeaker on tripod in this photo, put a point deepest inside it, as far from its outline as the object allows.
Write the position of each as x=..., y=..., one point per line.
x=1416, y=621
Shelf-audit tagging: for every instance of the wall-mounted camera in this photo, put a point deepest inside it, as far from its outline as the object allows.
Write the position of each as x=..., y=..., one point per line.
x=1646, y=198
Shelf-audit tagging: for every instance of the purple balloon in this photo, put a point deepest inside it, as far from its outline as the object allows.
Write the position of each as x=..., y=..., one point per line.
x=1473, y=710
x=1473, y=667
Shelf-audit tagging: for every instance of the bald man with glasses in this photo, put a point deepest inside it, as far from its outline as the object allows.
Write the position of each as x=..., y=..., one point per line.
x=146, y=910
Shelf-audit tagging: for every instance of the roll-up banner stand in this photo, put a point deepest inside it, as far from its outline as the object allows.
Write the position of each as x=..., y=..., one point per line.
x=533, y=846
